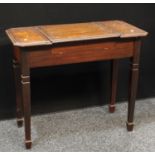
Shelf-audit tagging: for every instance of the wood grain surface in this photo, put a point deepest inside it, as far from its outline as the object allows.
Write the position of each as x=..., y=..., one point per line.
x=27, y=36
x=126, y=30
x=76, y=32
x=49, y=34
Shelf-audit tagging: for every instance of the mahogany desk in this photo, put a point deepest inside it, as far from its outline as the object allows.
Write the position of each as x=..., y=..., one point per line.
x=50, y=45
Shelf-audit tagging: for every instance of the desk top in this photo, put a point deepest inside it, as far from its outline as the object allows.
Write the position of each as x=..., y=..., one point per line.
x=50, y=34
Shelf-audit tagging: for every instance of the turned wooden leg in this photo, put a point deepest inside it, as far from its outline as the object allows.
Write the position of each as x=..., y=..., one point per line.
x=25, y=80
x=133, y=85
x=19, y=107
x=114, y=80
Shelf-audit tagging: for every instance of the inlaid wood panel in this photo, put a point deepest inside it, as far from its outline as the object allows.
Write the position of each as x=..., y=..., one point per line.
x=27, y=36
x=76, y=32
x=126, y=30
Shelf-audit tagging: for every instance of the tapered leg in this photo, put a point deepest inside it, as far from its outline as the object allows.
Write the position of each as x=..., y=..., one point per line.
x=25, y=80
x=114, y=80
x=132, y=97
x=19, y=107
x=133, y=85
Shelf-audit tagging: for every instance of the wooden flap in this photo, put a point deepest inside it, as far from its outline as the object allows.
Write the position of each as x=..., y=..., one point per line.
x=76, y=32
x=27, y=36
x=126, y=30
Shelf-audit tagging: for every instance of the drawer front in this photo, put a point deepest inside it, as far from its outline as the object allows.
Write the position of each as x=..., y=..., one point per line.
x=68, y=54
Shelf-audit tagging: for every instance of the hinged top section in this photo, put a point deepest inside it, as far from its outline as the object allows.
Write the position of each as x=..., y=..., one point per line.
x=126, y=30
x=77, y=32
x=49, y=34
x=27, y=36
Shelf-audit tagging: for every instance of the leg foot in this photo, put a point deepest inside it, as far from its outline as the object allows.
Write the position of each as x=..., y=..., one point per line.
x=28, y=144
x=111, y=108
x=19, y=122
x=130, y=126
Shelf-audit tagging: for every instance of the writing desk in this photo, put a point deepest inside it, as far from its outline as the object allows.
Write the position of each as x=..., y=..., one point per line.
x=51, y=45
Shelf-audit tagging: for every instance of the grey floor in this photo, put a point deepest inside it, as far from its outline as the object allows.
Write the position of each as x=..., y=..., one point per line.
x=89, y=129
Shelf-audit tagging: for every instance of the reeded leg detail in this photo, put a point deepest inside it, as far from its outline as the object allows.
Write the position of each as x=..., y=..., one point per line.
x=114, y=80
x=19, y=107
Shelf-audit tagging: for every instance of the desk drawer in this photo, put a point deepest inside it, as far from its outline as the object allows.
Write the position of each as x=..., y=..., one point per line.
x=68, y=54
